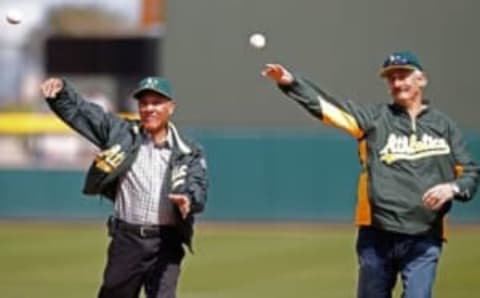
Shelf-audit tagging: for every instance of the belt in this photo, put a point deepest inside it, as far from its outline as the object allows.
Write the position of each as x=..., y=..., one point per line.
x=144, y=231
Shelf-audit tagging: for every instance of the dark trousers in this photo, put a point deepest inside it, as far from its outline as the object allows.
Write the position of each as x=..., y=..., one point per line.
x=383, y=255
x=137, y=258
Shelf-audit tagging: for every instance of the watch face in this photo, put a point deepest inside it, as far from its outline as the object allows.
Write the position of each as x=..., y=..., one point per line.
x=455, y=188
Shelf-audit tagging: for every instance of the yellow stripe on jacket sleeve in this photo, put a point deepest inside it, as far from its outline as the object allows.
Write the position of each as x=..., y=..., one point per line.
x=363, y=212
x=336, y=117
x=459, y=170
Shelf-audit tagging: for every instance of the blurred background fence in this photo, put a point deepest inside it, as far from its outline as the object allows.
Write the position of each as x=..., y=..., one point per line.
x=302, y=176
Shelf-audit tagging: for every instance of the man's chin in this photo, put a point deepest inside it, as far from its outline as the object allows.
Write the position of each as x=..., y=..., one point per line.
x=151, y=128
x=401, y=98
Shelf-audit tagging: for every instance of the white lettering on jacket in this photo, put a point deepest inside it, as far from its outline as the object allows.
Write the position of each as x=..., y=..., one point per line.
x=179, y=174
x=410, y=148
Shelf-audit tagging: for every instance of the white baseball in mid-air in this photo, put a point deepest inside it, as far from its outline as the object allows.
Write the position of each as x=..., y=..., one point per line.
x=14, y=16
x=258, y=40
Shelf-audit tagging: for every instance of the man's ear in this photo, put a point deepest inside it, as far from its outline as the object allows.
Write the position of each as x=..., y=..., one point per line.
x=172, y=108
x=422, y=80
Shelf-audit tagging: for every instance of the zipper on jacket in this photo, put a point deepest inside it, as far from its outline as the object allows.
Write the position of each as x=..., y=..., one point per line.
x=413, y=123
x=413, y=134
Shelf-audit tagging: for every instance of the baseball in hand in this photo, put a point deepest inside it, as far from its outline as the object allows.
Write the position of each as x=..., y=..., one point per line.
x=14, y=16
x=258, y=40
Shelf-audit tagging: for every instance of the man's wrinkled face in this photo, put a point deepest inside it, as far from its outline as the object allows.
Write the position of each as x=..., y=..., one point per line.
x=405, y=85
x=155, y=111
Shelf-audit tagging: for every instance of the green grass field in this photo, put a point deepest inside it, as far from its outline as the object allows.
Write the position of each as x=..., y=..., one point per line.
x=231, y=261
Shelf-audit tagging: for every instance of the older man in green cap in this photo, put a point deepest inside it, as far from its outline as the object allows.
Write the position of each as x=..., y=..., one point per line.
x=414, y=165
x=156, y=179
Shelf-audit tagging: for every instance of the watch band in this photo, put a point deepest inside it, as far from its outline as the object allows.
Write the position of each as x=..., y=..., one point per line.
x=455, y=188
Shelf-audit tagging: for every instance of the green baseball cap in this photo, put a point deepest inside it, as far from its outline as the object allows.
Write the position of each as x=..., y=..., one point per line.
x=156, y=84
x=400, y=60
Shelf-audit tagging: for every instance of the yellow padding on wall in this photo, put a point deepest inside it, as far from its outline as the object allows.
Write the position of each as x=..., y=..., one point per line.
x=35, y=123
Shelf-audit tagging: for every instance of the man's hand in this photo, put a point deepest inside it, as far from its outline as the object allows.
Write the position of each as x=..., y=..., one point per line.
x=438, y=195
x=182, y=202
x=277, y=73
x=51, y=87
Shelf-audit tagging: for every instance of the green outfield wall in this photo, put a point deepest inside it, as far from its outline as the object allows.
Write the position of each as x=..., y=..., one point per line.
x=267, y=175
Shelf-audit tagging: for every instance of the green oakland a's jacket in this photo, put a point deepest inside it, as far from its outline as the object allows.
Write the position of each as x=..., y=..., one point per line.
x=119, y=141
x=401, y=158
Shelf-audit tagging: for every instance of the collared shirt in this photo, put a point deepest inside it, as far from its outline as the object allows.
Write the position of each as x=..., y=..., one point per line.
x=142, y=198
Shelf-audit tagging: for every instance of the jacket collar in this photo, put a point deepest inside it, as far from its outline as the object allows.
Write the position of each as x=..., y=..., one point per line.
x=177, y=139
x=400, y=109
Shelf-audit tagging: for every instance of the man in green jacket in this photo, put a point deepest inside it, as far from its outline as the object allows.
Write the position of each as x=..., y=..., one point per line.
x=414, y=164
x=155, y=178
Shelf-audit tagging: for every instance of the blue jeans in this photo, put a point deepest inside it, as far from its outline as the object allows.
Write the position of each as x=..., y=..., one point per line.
x=383, y=255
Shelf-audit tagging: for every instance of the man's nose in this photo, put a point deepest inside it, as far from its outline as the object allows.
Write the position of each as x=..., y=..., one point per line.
x=396, y=82
x=148, y=107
